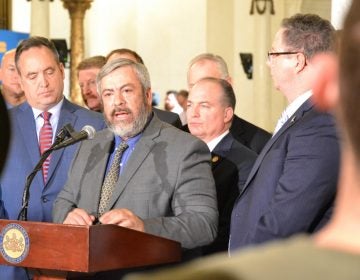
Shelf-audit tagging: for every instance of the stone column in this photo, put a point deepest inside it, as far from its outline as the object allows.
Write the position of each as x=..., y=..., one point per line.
x=77, y=9
x=262, y=12
x=40, y=18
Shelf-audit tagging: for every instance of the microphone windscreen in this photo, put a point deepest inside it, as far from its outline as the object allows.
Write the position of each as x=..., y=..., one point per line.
x=89, y=130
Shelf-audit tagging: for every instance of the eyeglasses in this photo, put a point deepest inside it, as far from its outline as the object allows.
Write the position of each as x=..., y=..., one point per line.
x=270, y=54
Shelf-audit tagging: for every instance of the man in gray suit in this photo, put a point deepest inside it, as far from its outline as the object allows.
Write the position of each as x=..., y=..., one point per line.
x=165, y=185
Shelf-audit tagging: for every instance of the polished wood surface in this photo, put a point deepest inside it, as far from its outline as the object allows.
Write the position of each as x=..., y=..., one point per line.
x=56, y=249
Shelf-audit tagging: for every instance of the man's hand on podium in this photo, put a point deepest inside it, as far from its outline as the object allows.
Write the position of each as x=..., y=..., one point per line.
x=79, y=216
x=123, y=217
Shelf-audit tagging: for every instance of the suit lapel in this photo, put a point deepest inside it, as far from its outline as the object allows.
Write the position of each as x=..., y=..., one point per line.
x=66, y=116
x=96, y=180
x=221, y=150
x=140, y=153
x=306, y=106
x=224, y=146
x=29, y=136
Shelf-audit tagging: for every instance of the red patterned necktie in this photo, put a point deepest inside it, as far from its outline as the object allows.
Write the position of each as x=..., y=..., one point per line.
x=45, y=139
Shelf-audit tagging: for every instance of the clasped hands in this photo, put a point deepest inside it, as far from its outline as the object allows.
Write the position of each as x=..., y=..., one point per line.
x=121, y=217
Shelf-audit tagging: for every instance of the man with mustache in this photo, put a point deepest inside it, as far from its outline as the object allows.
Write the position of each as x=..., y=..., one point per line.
x=164, y=185
x=87, y=71
x=165, y=116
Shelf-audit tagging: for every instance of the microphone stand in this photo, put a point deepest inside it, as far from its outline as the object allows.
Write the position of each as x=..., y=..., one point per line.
x=64, y=132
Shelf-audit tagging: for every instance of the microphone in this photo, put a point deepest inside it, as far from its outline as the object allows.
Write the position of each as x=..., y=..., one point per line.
x=87, y=132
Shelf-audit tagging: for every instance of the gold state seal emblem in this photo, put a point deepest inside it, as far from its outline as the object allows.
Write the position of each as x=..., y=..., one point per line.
x=14, y=243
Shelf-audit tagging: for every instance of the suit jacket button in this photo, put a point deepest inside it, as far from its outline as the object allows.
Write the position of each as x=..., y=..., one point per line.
x=44, y=199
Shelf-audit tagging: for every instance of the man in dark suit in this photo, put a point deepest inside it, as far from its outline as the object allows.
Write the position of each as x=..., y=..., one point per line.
x=165, y=116
x=292, y=185
x=210, y=110
x=41, y=77
x=164, y=186
x=211, y=65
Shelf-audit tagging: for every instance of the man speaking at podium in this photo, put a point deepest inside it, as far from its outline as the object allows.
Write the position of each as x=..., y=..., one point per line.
x=42, y=79
x=141, y=173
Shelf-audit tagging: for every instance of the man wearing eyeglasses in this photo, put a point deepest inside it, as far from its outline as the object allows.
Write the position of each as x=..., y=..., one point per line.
x=292, y=184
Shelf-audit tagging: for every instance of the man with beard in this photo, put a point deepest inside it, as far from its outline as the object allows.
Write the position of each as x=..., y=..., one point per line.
x=166, y=116
x=164, y=186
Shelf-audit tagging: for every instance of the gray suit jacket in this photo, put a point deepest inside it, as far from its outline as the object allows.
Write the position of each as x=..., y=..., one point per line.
x=167, y=182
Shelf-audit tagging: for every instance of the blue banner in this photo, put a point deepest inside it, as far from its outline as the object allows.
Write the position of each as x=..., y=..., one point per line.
x=9, y=40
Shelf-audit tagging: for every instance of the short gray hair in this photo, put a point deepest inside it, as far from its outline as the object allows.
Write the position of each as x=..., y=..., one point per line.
x=217, y=59
x=308, y=33
x=140, y=70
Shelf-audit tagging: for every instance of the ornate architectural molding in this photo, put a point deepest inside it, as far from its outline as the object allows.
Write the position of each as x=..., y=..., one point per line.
x=77, y=9
x=261, y=10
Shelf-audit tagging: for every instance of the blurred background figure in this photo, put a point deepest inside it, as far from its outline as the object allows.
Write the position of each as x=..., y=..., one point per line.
x=182, y=98
x=172, y=105
x=87, y=71
x=10, y=89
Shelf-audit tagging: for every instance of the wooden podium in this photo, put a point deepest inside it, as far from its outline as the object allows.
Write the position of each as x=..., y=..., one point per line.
x=57, y=251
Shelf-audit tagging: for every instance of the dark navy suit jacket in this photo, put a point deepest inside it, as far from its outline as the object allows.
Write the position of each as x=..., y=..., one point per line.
x=292, y=185
x=23, y=156
x=231, y=163
x=249, y=134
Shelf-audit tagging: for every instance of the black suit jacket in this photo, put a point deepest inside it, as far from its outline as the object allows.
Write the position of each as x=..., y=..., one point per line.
x=249, y=134
x=231, y=163
x=169, y=117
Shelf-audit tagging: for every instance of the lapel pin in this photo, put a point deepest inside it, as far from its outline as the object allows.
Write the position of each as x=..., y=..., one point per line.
x=214, y=159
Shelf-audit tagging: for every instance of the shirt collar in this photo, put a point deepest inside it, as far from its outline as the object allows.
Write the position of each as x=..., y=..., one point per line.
x=130, y=141
x=55, y=110
x=300, y=100
x=213, y=143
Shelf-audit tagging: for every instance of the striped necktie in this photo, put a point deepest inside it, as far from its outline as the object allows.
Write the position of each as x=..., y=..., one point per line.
x=45, y=139
x=111, y=179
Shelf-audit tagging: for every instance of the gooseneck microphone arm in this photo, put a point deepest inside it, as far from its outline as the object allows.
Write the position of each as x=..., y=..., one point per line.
x=26, y=194
x=60, y=142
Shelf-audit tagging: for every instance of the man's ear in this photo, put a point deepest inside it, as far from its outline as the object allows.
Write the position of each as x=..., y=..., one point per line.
x=325, y=81
x=229, y=113
x=149, y=95
x=301, y=62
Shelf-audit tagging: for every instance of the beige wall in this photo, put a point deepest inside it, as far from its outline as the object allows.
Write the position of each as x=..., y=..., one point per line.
x=168, y=33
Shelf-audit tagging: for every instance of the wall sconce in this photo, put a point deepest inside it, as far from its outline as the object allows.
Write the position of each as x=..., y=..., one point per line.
x=247, y=63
